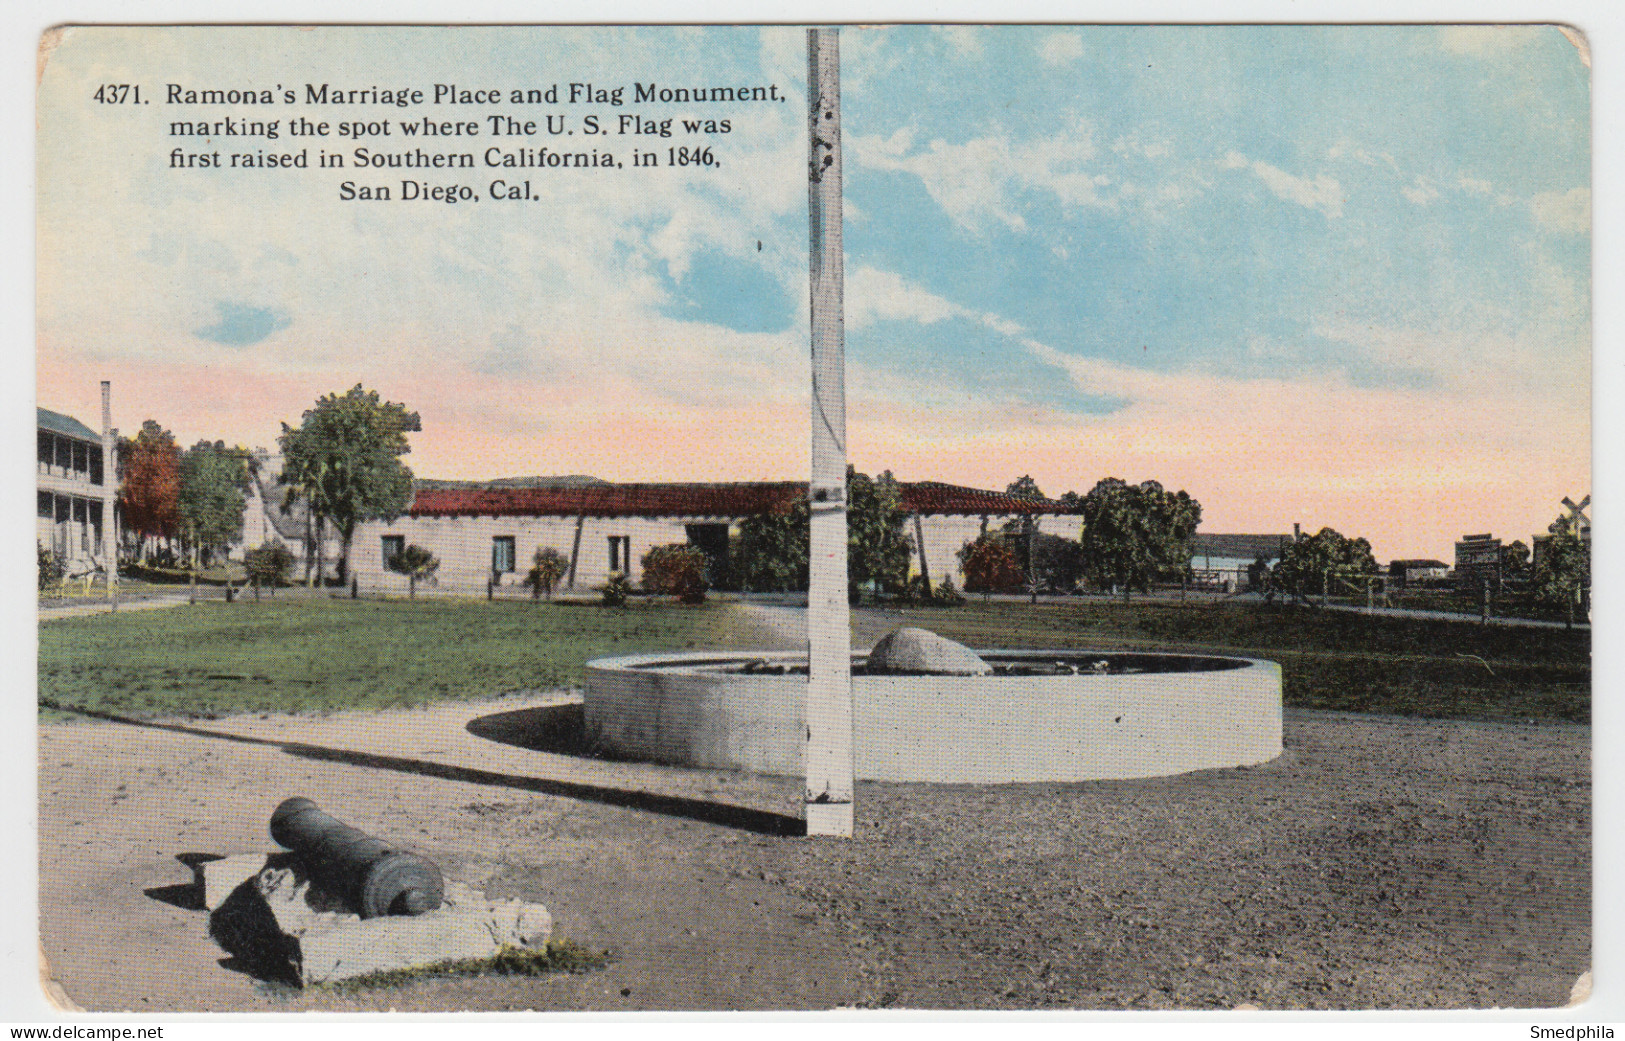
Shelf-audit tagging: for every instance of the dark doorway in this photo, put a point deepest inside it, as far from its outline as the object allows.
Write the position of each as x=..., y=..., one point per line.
x=712, y=540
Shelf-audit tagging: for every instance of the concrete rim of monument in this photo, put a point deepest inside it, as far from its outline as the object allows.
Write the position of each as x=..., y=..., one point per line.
x=1041, y=715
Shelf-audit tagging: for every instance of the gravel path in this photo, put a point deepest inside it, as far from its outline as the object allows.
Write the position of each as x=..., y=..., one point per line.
x=1379, y=863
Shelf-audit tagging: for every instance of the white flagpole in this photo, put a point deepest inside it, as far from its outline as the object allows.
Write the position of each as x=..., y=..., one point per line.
x=829, y=638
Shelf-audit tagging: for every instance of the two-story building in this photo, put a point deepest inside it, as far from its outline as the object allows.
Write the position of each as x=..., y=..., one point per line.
x=69, y=487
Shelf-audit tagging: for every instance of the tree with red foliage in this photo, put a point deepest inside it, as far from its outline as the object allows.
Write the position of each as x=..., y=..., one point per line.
x=989, y=566
x=150, y=484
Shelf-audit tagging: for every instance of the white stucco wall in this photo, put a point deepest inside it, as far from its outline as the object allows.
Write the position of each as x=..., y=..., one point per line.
x=463, y=544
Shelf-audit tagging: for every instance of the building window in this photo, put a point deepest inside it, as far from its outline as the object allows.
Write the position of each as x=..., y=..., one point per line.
x=393, y=546
x=502, y=555
x=620, y=553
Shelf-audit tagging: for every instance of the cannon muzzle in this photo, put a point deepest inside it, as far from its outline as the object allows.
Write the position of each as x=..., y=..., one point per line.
x=374, y=878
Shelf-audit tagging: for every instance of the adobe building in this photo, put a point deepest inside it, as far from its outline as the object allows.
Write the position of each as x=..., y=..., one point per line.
x=69, y=487
x=490, y=532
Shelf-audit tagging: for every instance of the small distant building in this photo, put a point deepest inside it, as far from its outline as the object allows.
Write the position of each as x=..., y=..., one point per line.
x=1409, y=572
x=1478, y=558
x=1225, y=562
x=489, y=532
x=69, y=486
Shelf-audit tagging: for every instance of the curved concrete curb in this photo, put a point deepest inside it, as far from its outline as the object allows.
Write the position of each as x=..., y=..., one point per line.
x=682, y=709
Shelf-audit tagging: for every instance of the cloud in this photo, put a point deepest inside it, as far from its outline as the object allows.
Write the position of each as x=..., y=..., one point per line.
x=982, y=179
x=1568, y=211
x=1361, y=155
x=1421, y=192
x=240, y=325
x=873, y=296
x=1323, y=193
x=1060, y=48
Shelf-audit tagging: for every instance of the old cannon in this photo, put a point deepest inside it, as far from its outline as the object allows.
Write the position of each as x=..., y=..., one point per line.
x=374, y=878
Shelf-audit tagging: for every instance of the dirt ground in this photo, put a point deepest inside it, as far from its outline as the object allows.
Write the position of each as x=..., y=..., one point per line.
x=1378, y=863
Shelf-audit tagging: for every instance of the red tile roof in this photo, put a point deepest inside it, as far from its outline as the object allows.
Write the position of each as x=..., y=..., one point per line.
x=933, y=497
x=740, y=499
x=723, y=500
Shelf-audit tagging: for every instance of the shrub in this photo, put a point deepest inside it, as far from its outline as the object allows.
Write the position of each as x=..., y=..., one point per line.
x=50, y=568
x=616, y=590
x=269, y=563
x=919, y=591
x=546, y=569
x=989, y=566
x=677, y=570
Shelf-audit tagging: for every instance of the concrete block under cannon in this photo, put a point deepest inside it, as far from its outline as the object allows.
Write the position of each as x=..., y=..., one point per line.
x=374, y=878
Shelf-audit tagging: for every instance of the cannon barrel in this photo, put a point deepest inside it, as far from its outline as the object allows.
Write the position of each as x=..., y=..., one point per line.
x=373, y=877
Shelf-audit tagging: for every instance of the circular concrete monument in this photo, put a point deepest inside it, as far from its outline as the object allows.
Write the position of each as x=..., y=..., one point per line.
x=928, y=709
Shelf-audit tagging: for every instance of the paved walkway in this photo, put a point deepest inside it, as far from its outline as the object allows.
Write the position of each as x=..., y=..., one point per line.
x=1453, y=616
x=103, y=607
x=789, y=619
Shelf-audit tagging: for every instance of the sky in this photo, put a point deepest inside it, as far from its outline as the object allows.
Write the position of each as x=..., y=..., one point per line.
x=1335, y=276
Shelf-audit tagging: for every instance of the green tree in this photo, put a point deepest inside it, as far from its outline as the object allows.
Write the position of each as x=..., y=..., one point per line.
x=1024, y=485
x=1515, y=560
x=1134, y=534
x=150, y=485
x=1308, y=562
x=344, y=460
x=268, y=564
x=1562, y=575
x=213, y=481
x=415, y=563
x=771, y=553
x=546, y=568
x=877, y=550
x=1048, y=562
x=1057, y=562
x=1021, y=532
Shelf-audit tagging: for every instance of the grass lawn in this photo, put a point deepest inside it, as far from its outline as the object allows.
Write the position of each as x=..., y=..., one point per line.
x=321, y=654
x=1329, y=659
x=315, y=655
